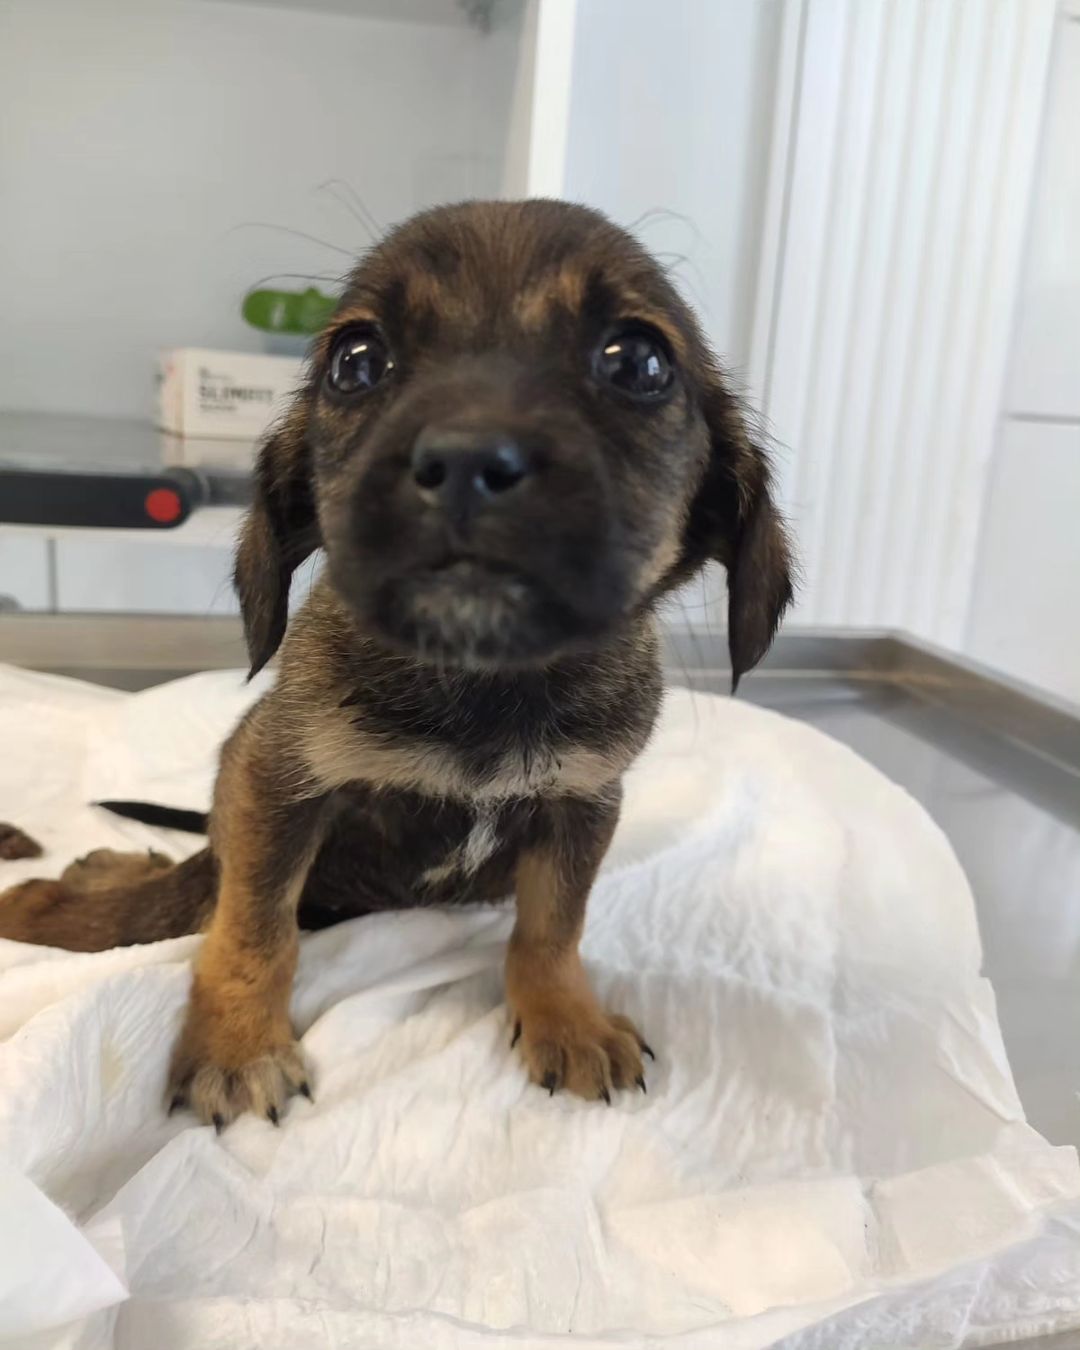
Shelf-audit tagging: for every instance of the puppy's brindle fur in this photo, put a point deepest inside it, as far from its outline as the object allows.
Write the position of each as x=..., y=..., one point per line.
x=461, y=694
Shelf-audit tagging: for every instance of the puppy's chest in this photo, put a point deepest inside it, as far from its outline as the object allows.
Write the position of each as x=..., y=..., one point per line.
x=480, y=772
x=463, y=856
x=408, y=848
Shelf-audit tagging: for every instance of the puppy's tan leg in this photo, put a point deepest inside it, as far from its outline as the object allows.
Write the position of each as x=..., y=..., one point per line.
x=565, y=1036
x=237, y=1051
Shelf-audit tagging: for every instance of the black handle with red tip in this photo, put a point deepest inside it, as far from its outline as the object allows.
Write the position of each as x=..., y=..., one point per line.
x=121, y=501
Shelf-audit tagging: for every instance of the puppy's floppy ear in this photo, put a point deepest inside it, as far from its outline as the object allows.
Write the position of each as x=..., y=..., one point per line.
x=734, y=520
x=280, y=531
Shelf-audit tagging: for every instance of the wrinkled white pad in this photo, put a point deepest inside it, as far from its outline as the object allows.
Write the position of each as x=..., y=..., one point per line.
x=832, y=1149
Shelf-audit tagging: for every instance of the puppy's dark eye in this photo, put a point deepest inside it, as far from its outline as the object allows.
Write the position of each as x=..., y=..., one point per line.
x=359, y=359
x=636, y=361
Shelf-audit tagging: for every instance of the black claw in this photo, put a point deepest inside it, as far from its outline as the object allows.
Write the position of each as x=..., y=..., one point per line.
x=305, y=1091
x=516, y=1036
x=549, y=1081
x=605, y=1096
x=647, y=1050
x=272, y=1115
x=640, y=1081
x=219, y=1121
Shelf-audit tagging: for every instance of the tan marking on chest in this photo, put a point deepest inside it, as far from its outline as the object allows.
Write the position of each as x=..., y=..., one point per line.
x=337, y=752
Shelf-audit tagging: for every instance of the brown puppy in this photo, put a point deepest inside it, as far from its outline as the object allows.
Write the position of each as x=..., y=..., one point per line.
x=512, y=442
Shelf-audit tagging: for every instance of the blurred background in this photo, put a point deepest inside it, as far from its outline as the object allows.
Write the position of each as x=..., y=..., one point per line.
x=874, y=204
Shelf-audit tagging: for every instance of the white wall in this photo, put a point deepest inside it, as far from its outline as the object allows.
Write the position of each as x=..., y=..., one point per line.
x=1045, y=371
x=670, y=111
x=1025, y=615
x=885, y=316
x=1025, y=612
x=139, y=138
x=521, y=115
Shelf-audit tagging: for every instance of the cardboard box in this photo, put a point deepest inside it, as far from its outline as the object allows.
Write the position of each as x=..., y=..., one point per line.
x=205, y=452
x=223, y=395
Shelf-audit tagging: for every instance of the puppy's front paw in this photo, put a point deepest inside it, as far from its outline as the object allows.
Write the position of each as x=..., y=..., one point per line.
x=580, y=1047
x=221, y=1070
x=218, y=1094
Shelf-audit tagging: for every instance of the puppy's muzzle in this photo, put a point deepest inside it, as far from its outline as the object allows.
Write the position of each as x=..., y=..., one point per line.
x=462, y=473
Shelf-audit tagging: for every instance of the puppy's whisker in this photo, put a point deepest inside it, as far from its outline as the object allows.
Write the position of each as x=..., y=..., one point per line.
x=698, y=288
x=359, y=207
x=662, y=214
x=332, y=189
x=335, y=278
x=296, y=234
x=654, y=213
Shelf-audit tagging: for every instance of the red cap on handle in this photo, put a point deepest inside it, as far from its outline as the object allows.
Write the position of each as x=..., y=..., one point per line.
x=163, y=505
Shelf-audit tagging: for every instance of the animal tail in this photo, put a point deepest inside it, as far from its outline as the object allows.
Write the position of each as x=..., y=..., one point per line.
x=110, y=899
x=165, y=817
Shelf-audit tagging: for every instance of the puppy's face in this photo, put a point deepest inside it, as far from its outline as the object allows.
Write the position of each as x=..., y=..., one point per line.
x=512, y=440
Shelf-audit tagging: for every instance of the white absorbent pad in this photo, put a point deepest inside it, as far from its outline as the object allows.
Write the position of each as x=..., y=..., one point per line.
x=831, y=1152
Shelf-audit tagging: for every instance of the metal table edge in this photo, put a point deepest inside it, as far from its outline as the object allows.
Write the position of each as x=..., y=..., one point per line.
x=99, y=645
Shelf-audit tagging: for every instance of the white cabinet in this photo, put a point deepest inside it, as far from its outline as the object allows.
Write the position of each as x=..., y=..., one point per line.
x=1026, y=610
x=120, y=576
x=24, y=571
x=183, y=571
x=1045, y=376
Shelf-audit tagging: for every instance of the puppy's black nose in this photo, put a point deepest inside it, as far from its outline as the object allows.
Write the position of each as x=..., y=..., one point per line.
x=457, y=469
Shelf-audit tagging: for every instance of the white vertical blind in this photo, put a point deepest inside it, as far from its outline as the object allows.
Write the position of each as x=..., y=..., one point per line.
x=904, y=147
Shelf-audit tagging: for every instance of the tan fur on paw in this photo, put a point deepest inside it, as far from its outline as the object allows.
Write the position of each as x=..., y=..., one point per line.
x=565, y=1037
x=584, y=1050
x=236, y=1053
x=218, y=1094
